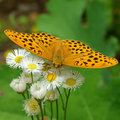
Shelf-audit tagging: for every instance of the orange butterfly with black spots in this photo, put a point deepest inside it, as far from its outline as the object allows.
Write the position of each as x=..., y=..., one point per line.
x=61, y=52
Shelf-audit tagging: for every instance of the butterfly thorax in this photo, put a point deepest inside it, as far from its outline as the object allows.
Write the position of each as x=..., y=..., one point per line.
x=58, y=54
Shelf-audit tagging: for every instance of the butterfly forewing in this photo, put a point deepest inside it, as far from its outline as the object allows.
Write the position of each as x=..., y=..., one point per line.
x=46, y=41
x=81, y=55
x=31, y=42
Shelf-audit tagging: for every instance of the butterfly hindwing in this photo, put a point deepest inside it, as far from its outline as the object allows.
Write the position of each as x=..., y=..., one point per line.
x=81, y=55
x=75, y=48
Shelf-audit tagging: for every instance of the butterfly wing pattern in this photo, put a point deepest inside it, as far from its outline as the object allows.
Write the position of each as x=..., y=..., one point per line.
x=75, y=53
x=37, y=43
x=47, y=42
x=81, y=55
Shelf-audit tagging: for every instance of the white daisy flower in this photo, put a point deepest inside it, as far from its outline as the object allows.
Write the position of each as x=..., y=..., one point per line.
x=52, y=95
x=72, y=79
x=32, y=64
x=38, y=90
x=32, y=107
x=14, y=58
x=18, y=85
x=28, y=78
x=53, y=79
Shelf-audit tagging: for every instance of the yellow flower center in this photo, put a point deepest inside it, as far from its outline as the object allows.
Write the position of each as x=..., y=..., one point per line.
x=50, y=94
x=32, y=66
x=33, y=106
x=51, y=77
x=70, y=82
x=18, y=59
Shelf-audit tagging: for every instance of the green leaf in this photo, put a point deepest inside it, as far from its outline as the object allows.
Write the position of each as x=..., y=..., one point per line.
x=12, y=116
x=94, y=100
x=64, y=20
x=11, y=104
x=112, y=46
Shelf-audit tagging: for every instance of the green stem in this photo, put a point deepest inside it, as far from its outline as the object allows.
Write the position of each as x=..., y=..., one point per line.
x=23, y=96
x=32, y=118
x=32, y=77
x=56, y=109
x=51, y=104
x=65, y=92
x=61, y=98
x=28, y=94
x=67, y=98
x=44, y=110
x=41, y=110
x=37, y=117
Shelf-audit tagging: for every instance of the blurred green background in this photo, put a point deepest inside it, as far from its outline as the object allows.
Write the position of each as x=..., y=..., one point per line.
x=93, y=22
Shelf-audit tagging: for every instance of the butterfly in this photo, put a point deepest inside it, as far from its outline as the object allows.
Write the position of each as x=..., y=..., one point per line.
x=61, y=52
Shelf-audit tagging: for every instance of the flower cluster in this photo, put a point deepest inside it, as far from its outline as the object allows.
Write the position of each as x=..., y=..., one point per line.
x=40, y=81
